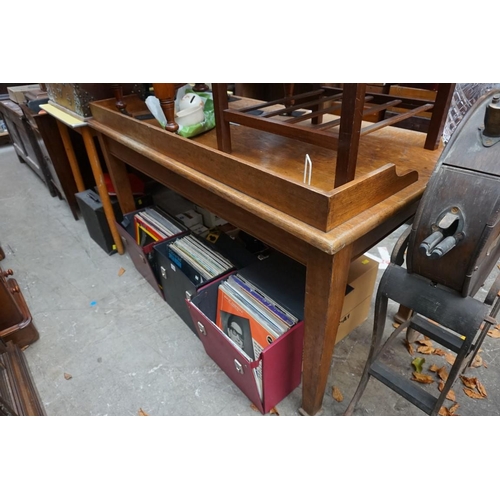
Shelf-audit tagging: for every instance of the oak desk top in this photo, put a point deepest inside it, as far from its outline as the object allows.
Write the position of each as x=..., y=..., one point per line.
x=283, y=159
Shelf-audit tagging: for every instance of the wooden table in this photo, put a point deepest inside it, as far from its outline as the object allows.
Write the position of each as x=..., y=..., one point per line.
x=259, y=188
x=65, y=120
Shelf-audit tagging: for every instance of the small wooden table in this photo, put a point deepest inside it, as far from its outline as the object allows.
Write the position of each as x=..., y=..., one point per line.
x=65, y=120
x=259, y=188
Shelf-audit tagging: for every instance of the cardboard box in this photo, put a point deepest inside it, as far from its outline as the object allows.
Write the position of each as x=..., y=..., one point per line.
x=16, y=94
x=190, y=218
x=200, y=230
x=357, y=302
x=210, y=219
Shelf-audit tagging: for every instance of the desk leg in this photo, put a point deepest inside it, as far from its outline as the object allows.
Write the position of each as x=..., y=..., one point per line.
x=101, y=186
x=70, y=153
x=325, y=290
x=119, y=177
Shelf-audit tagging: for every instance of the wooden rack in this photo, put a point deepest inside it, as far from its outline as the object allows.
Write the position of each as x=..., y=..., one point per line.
x=352, y=102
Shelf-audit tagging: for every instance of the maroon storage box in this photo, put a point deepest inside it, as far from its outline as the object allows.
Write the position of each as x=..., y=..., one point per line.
x=281, y=361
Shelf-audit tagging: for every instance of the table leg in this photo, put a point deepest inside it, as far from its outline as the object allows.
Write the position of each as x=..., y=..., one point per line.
x=101, y=186
x=166, y=93
x=70, y=153
x=119, y=177
x=326, y=282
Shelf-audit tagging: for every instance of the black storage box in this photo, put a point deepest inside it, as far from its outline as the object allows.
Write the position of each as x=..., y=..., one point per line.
x=93, y=214
x=180, y=281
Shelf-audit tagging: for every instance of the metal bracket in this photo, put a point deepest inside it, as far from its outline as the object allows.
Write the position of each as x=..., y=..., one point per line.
x=238, y=366
x=201, y=328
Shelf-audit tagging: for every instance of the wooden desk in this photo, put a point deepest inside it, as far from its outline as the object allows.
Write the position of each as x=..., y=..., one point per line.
x=65, y=120
x=279, y=210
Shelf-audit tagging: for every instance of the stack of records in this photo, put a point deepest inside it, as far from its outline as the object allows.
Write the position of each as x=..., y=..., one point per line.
x=207, y=262
x=250, y=318
x=151, y=226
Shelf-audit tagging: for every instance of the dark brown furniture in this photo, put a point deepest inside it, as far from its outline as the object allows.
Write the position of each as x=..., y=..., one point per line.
x=18, y=392
x=27, y=142
x=16, y=323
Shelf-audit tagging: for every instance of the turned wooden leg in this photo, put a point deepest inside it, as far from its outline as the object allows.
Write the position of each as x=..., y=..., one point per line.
x=326, y=283
x=200, y=87
x=288, y=88
x=403, y=314
x=166, y=94
x=121, y=105
x=95, y=163
x=219, y=92
x=351, y=117
x=70, y=153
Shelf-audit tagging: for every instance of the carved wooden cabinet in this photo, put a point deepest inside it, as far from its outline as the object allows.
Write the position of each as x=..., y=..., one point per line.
x=26, y=143
x=18, y=393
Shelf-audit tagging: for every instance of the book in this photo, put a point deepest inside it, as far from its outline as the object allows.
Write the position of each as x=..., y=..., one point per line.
x=146, y=233
x=242, y=325
x=207, y=262
x=254, y=293
x=151, y=226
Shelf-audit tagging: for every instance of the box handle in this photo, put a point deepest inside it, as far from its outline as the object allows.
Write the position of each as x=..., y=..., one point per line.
x=201, y=329
x=238, y=366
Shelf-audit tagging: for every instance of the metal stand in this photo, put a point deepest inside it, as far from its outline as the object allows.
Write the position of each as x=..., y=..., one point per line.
x=449, y=250
x=455, y=322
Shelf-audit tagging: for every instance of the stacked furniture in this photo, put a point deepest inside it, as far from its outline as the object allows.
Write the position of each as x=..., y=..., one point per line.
x=358, y=193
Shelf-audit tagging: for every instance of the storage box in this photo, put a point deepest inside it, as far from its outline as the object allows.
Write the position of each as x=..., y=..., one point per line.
x=179, y=280
x=16, y=94
x=281, y=361
x=92, y=211
x=200, y=230
x=75, y=98
x=357, y=302
x=143, y=257
x=190, y=218
x=210, y=219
